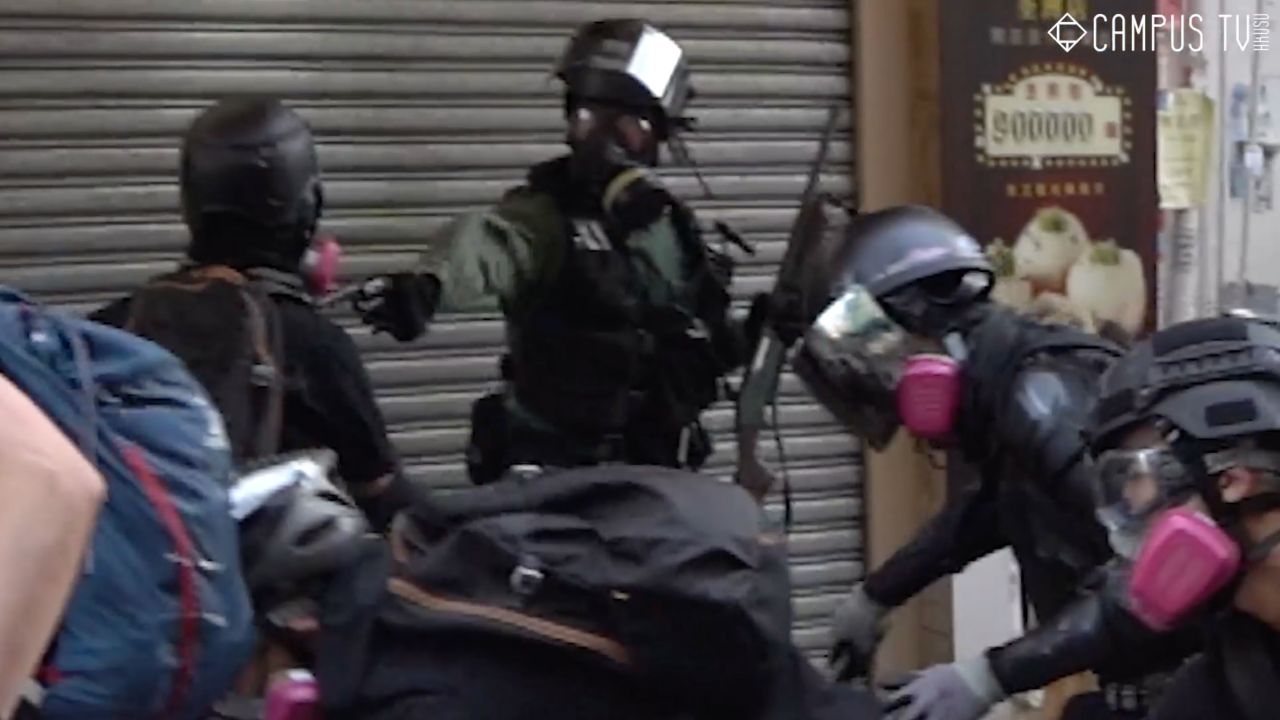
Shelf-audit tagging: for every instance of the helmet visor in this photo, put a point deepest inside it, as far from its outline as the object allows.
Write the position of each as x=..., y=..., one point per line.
x=851, y=359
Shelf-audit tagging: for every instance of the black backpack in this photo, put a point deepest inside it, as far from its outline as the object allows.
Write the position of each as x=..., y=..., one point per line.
x=669, y=577
x=226, y=329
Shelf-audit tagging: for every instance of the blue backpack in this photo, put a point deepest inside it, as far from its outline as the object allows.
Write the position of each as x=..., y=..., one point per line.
x=159, y=624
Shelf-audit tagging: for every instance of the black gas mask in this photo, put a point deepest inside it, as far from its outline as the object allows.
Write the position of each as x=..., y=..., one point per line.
x=613, y=153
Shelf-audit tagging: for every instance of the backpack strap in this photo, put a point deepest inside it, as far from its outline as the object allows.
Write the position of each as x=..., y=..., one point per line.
x=275, y=283
x=185, y=557
x=268, y=371
x=467, y=612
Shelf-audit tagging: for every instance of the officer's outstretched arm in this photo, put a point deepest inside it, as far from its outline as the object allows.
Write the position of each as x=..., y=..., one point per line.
x=480, y=261
x=483, y=261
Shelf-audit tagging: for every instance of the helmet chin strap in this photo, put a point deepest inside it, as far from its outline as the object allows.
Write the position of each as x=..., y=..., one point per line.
x=1205, y=467
x=1257, y=551
x=1260, y=550
x=681, y=153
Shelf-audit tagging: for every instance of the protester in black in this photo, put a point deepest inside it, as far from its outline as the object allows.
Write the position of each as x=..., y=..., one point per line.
x=1191, y=417
x=251, y=198
x=910, y=289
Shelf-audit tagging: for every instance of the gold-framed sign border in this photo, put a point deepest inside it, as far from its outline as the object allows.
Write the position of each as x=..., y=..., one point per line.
x=1054, y=162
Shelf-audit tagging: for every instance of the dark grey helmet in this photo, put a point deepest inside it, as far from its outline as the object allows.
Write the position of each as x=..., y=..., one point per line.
x=630, y=63
x=299, y=528
x=918, y=263
x=249, y=168
x=1215, y=381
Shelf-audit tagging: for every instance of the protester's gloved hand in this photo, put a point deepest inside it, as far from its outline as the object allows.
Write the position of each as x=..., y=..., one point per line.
x=857, y=626
x=400, y=304
x=956, y=691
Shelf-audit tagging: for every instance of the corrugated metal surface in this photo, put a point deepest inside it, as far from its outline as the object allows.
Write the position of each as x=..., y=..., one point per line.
x=424, y=108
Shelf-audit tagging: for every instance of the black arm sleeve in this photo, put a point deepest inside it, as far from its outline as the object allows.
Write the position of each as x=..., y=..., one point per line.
x=1095, y=633
x=334, y=406
x=967, y=528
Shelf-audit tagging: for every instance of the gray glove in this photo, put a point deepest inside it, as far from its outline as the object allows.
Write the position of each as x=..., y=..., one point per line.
x=857, y=627
x=958, y=691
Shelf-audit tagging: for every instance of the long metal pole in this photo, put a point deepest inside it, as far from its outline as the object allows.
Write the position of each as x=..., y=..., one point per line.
x=1224, y=152
x=1183, y=235
x=1254, y=71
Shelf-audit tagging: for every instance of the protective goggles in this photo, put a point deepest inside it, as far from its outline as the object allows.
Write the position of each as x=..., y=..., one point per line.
x=1134, y=484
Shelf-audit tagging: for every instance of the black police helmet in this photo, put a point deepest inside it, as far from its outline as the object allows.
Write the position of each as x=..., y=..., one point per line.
x=631, y=64
x=250, y=184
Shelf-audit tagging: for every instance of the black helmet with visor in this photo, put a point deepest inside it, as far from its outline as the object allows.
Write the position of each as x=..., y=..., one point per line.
x=897, y=281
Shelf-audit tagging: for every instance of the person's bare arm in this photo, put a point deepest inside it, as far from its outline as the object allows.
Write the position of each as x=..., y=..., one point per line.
x=51, y=495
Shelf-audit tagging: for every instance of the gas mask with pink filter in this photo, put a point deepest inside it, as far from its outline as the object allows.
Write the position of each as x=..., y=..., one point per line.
x=1184, y=559
x=320, y=265
x=876, y=377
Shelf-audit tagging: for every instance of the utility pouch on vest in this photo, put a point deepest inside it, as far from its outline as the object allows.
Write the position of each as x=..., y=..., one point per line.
x=489, y=442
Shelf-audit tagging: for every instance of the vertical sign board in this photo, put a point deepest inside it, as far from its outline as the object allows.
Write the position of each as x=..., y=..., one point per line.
x=1049, y=154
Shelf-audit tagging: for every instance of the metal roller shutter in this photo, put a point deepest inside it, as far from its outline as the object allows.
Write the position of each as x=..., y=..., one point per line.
x=425, y=109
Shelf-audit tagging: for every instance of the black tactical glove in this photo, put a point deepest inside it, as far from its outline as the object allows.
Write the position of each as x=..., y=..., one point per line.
x=400, y=304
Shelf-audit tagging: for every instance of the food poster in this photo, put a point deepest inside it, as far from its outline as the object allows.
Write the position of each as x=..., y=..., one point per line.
x=1049, y=157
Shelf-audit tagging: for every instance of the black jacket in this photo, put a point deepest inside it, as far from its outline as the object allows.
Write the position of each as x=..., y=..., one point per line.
x=1029, y=391
x=328, y=397
x=1022, y=429
x=1096, y=633
x=1237, y=678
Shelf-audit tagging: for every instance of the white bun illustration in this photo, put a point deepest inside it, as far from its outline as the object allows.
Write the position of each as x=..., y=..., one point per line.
x=1009, y=289
x=1110, y=283
x=1047, y=247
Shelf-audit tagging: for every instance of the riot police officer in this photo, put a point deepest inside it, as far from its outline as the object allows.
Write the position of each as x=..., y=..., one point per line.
x=903, y=333
x=616, y=309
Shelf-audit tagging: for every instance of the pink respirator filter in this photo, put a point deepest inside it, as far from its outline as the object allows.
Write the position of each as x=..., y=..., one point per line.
x=1185, y=560
x=294, y=696
x=929, y=395
x=321, y=265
